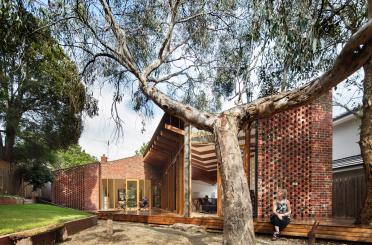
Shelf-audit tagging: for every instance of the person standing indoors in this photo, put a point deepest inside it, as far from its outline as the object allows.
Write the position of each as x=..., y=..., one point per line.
x=281, y=212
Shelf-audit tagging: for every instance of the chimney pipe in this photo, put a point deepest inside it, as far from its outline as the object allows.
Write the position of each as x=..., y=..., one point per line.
x=103, y=159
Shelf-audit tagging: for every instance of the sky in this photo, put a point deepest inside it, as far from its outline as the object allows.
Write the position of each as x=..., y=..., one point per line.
x=99, y=130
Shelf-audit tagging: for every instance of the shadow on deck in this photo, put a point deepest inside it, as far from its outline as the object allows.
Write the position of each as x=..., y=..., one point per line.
x=328, y=228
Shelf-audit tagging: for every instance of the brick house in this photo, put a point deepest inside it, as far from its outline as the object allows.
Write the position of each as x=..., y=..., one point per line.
x=291, y=150
x=349, y=187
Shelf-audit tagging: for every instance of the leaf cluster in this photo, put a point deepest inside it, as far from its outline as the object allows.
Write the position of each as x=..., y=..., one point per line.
x=42, y=96
x=74, y=155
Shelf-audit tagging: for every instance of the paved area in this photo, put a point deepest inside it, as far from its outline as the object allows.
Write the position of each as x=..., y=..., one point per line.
x=136, y=233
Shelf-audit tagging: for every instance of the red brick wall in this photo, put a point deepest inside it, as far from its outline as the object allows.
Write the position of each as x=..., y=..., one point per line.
x=128, y=168
x=321, y=158
x=77, y=187
x=295, y=153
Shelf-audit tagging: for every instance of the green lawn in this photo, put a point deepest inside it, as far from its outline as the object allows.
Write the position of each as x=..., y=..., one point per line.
x=15, y=218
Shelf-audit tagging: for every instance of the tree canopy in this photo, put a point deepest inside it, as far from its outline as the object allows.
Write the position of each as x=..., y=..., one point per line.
x=74, y=155
x=211, y=51
x=142, y=149
x=42, y=99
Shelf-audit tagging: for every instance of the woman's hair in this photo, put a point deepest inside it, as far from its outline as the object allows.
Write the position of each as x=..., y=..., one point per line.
x=284, y=191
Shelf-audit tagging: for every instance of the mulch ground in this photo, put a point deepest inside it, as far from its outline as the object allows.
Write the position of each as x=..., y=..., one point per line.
x=136, y=233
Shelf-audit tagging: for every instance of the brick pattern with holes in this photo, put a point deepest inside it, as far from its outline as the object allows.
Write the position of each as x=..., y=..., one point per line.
x=295, y=153
x=77, y=187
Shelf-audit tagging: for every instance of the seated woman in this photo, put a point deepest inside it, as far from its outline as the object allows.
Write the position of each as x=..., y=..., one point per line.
x=144, y=203
x=281, y=212
x=205, y=204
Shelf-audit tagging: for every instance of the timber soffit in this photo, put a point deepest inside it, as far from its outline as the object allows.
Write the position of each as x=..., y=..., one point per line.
x=165, y=141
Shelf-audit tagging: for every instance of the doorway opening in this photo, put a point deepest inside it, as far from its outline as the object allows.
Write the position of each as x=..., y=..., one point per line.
x=205, y=185
x=127, y=194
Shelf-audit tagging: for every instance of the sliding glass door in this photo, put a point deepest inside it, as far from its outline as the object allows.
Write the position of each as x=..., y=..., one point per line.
x=132, y=194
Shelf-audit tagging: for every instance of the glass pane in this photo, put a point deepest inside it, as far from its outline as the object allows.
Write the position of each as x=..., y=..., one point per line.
x=132, y=194
x=156, y=196
x=111, y=193
x=142, y=189
x=119, y=193
x=104, y=194
x=148, y=190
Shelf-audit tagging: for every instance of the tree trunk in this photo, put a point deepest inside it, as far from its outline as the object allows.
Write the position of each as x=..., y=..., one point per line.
x=365, y=216
x=237, y=207
x=1, y=146
x=10, y=135
x=366, y=144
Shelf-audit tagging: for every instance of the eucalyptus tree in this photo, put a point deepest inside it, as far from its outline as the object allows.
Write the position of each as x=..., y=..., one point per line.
x=41, y=96
x=187, y=56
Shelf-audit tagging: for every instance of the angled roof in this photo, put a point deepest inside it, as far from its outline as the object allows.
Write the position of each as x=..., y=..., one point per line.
x=347, y=162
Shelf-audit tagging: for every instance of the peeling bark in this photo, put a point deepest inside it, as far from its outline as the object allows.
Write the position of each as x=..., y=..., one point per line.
x=238, y=220
x=366, y=145
x=199, y=119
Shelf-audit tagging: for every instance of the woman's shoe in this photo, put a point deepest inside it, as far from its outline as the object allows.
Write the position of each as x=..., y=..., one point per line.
x=275, y=236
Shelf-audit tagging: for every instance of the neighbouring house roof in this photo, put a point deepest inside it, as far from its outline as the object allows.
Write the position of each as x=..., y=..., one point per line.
x=351, y=161
x=344, y=117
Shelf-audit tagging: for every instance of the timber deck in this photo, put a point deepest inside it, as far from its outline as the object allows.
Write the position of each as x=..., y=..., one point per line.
x=328, y=228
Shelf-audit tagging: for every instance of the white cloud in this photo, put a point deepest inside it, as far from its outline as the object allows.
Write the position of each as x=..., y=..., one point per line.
x=98, y=131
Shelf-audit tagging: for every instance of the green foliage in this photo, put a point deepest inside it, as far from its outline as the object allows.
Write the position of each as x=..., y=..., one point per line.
x=74, y=155
x=236, y=49
x=142, y=149
x=304, y=37
x=42, y=99
x=35, y=173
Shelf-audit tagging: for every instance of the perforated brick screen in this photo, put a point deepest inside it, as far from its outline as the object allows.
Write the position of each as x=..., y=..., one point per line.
x=77, y=187
x=295, y=153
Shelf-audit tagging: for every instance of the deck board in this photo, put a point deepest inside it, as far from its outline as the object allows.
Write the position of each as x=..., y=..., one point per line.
x=335, y=229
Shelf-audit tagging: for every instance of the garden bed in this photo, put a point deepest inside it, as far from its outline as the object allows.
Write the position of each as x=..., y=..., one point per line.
x=10, y=200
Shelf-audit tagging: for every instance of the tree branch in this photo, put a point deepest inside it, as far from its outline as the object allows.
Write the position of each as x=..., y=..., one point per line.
x=97, y=56
x=162, y=79
x=164, y=49
x=353, y=56
x=354, y=112
x=201, y=120
x=120, y=37
x=52, y=23
x=186, y=19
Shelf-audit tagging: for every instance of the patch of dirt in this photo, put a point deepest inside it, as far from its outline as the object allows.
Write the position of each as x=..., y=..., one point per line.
x=137, y=233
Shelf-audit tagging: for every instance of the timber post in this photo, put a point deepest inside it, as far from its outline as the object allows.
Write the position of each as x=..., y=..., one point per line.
x=219, y=191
